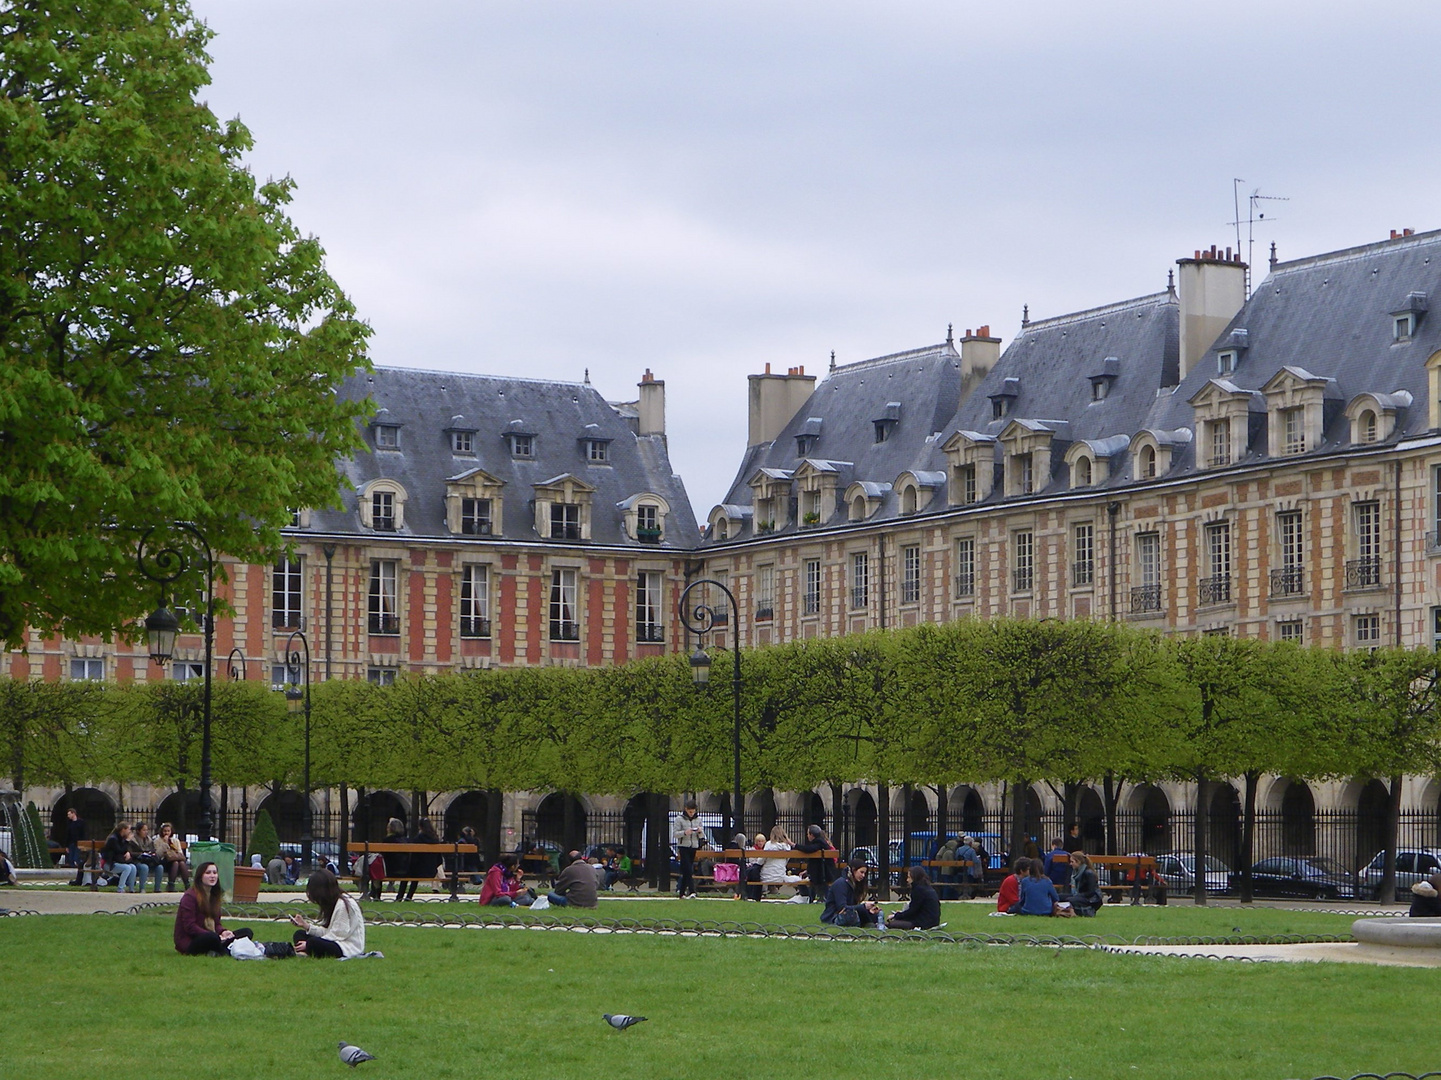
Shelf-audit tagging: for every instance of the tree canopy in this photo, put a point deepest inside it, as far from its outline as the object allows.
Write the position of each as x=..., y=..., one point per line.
x=170, y=345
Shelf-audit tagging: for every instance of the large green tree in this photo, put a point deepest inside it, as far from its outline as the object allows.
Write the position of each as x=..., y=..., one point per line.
x=170, y=345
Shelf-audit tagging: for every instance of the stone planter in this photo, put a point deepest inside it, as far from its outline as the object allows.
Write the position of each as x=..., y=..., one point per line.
x=247, y=884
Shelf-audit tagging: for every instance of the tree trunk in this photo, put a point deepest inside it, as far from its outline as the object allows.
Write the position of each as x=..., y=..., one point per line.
x=943, y=824
x=1198, y=846
x=657, y=847
x=343, y=833
x=494, y=812
x=1248, y=836
x=883, y=840
x=1111, y=792
x=1386, y=891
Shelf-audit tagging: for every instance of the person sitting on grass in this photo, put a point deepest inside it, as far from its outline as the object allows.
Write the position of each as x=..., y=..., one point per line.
x=846, y=903
x=198, y=931
x=340, y=932
x=502, y=887
x=924, y=910
x=1010, y=893
x=575, y=885
x=1038, y=892
x=1086, y=898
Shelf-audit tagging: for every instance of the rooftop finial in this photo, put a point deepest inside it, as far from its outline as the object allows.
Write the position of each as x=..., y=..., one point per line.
x=1025, y=314
x=950, y=333
x=587, y=376
x=1171, y=282
x=833, y=359
x=1273, y=254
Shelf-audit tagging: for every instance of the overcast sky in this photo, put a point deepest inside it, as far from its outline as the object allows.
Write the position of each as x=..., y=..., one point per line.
x=535, y=188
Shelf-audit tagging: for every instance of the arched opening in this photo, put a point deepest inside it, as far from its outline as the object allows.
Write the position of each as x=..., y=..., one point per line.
x=373, y=812
x=1371, y=808
x=1298, y=820
x=633, y=824
x=95, y=808
x=1091, y=816
x=1155, y=835
x=861, y=824
x=560, y=818
x=287, y=814
x=908, y=499
x=468, y=808
x=918, y=814
x=813, y=811
x=858, y=508
x=182, y=811
x=1148, y=463
x=1083, y=472
x=761, y=811
x=1223, y=825
x=967, y=811
x=1034, y=815
x=1368, y=426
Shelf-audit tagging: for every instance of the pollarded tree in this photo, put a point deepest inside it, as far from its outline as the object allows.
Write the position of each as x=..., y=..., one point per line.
x=170, y=345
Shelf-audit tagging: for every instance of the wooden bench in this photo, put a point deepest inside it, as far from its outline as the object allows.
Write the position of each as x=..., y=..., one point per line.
x=1135, y=865
x=455, y=849
x=789, y=855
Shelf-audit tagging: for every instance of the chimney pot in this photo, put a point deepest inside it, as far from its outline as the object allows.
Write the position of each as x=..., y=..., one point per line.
x=985, y=331
x=768, y=367
x=1406, y=232
x=1393, y=234
x=801, y=370
x=968, y=333
x=1198, y=253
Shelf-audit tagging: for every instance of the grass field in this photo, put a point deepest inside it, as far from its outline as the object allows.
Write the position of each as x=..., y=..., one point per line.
x=107, y=995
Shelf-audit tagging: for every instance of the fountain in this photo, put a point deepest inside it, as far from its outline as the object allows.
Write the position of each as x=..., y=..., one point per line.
x=21, y=832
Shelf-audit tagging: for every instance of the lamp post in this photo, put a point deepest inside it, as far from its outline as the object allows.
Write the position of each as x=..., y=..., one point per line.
x=237, y=674
x=701, y=620
x=298, y=700
x=164, y=565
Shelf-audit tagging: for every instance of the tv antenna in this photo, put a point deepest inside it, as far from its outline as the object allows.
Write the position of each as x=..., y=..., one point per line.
x=1254, y=215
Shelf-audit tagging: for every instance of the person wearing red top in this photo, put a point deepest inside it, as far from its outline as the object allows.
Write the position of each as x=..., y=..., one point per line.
x=198, y=931
x=1010, y=893
x=502, y=886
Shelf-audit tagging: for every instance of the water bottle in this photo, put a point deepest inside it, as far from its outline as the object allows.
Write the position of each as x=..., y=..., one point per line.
x=880, y=918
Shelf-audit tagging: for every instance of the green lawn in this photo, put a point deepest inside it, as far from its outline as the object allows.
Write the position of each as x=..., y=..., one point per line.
x=107, y=995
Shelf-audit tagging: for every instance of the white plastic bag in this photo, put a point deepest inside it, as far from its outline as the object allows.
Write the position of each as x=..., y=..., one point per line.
x=244, y=948
x=541, y=903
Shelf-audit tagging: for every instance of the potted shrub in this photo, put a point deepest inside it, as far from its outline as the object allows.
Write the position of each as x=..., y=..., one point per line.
x=813, y=517
x=265, y=843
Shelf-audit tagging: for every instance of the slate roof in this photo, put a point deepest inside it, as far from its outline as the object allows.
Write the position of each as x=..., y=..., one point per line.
x=427, y=404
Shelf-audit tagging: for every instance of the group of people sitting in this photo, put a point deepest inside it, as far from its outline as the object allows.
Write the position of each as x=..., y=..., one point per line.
x=1031, y=887
x=338, y=932
x=847, y=905
x=577, y=884
x=134, y=857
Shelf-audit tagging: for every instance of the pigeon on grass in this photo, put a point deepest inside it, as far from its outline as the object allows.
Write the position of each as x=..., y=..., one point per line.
x=353, y=1055
x=620, y=1021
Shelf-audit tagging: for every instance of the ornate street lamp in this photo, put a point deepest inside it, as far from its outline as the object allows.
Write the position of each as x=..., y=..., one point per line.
x=164, y=565
x=237, y=673
x=699, y=621
x=297, y=700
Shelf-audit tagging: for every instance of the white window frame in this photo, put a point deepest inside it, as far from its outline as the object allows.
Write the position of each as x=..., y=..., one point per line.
x=860, y=591
x=475, y=600
x=564, y=611
x=649, y=604
x=383, y=597
x=911, y=574
x=287, y=594
x=1023, y=561
x=87, y=669
x=811, y=592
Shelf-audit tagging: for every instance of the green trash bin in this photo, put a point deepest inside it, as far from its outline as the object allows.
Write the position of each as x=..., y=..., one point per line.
x=222, y=855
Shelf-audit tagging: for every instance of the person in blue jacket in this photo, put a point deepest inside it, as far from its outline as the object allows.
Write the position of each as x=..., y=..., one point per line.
x=846, y=903
x=1038, y=894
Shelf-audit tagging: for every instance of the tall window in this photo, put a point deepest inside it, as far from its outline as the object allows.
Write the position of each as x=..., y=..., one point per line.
x=565, y=521
x=475, y=517
x=1082, y=477
x=1083, y=551
x=1435, y=538
x=87, y=669
x=1364, y=571
x=475, y=601
x=1216, y=587
x=966, y=566
x=285, y=594
x=1148, y=462
x=1146, y=583
x=811, y=595
x=1293, y=430
x=911, y=574
x=765, y=591
x=1025, y=475
x=860, y=579
x=1220, y=442
x=1289, y=579
x=382, y=510
x=1368, y=631
x=720, y=606
x=564, y=620
x=648, y=606
x=384, y=610
x=647, y=523
x=1023, y=560
x=966, y=477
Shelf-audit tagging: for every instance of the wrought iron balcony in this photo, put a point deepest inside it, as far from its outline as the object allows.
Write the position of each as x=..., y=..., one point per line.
x=1364, y=573
x=384, y=624
x=650, y=632
x=564, y=631
x=1288, y=581
x=965, y=584
x=1213, y=590
x=473, y=626
x=1023, y=579
x=1145, y=598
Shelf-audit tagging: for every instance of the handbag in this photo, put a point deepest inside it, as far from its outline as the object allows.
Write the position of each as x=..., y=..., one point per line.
x=727, y=873
x=375, y=870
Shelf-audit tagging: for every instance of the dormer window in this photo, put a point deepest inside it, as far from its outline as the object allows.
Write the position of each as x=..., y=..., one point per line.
x=521, y=446
x=966, y=482
x=475, y=517
x=1025, y=476
x=597, y=451
x=886, y=422
x=804, y=444
x=999, y=407
x=1220, y=442
x=564, y=521
x=1368, y=426
x=387, y=437
x=1407, y=317
x=1402, y=327
x=647, y=523
x=1293, y=430
x=1102, y=375
x=1147, y=466
x=462, y=442
x=1099, y=389
x=1082, y=476
x=382, y=510
x=1226, y=362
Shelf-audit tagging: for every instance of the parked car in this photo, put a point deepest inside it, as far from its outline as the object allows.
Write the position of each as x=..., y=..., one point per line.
x=1314, y=876
x=1178, y=870
x=1411, y=867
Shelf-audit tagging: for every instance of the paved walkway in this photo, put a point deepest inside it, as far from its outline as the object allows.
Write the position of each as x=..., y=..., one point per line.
x=1343, y=953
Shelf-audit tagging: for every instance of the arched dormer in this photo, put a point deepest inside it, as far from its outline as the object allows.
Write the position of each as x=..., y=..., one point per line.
x=1373, y=417
x=1089, y=460
x=915, y=489
x=382, y=505
x=563, y=508
x=971, y=466
x=1222, y=413
x=473, y=503
x=728, y=520
x=864, y=498
x=817, y=484
x=643, y=517
x=1153, y=452
x=771, y=499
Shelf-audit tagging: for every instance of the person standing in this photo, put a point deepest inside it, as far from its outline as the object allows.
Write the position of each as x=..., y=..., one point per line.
x=687, y=834
x=423, y=864
x=74, y=834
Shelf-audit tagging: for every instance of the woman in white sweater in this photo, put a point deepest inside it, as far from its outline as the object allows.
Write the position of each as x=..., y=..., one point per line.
x=340, y=931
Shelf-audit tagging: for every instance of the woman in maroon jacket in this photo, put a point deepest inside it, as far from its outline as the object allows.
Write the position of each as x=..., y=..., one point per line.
x=197, y=922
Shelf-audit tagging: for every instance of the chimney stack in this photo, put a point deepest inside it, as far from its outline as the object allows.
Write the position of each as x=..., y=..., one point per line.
x=773, y=400
x=650, y=409
x=979, y=353
x=1212, y=290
